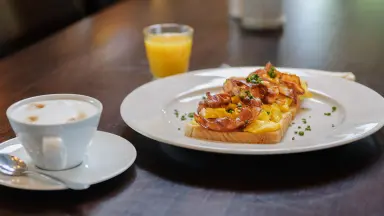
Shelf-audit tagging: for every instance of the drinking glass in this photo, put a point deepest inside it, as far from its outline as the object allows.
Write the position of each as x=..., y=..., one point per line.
x=168, y=48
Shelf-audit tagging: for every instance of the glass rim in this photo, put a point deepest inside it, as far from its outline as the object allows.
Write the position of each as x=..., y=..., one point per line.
x=189, y=29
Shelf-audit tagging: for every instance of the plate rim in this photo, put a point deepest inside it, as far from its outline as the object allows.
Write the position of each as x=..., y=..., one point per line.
x=292, y=150
x=9, y=142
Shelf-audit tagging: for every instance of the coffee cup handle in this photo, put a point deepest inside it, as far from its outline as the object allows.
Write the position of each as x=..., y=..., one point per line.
x=54, y=153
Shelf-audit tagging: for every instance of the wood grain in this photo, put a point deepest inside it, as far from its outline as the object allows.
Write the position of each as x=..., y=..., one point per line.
x=103, y=56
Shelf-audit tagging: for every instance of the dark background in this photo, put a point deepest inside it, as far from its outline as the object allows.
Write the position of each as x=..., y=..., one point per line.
x=22, y=22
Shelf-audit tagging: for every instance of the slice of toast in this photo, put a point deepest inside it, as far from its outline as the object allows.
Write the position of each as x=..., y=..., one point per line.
x=198, y=132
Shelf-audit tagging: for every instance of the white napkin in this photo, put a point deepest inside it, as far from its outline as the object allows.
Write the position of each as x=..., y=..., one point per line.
x=345, y=75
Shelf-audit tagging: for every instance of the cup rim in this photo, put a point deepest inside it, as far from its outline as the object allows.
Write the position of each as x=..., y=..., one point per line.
x=86, y=98
x=189, y=31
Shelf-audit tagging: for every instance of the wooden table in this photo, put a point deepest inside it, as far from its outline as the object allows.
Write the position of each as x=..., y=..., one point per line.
x=103, y=56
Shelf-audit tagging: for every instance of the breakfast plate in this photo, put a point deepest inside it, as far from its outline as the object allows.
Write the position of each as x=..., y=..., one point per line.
x=339, y=112
x=108, y=155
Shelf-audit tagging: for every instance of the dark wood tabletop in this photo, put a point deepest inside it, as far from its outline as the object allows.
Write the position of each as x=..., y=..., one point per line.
x=103, y=56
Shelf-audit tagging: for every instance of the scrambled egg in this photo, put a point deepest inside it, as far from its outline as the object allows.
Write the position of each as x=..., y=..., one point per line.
x=219, y=113
x=307, y=93
x=268, y=119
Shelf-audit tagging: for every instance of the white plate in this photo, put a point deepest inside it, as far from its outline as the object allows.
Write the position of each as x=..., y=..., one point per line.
x=107, y=156
x=149, y=110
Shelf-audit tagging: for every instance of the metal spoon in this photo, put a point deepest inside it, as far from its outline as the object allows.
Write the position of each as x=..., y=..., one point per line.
x=14, y=166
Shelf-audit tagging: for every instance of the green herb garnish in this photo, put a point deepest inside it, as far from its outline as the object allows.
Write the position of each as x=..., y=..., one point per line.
x=293, y=138
x=299, y=127
x=304, y=120
x=204, y=98
x=308, y=128
x=249, y=94
x=230, y=110
x=272, y=72
x=176, y=112
x=301, y=133
x=191, y=115
x=327, y=114
x=295, y=132
x=178, y=128
x=334, y=109
x=242, y=94
x=268, y=112
x=183, y=118
x=254, y=78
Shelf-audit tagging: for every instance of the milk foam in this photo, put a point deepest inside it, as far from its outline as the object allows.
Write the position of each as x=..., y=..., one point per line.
x=54, y=111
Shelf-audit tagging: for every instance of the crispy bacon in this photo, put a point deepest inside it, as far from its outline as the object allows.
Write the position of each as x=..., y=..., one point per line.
x=234, y=86
x=215, y=101
x=284, y=90
x=258, y=91
x=253, y=103
x=293, y=82
x=225, y=124
x=272, y=92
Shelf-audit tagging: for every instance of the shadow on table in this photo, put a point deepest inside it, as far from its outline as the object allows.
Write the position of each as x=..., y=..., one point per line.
x=69, y=201
x=263, y=173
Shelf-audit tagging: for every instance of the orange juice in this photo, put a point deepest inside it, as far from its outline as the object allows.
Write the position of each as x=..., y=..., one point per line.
x=168, y=54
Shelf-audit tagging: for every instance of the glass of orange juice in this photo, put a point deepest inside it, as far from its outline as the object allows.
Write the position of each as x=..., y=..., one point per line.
x=168, y=48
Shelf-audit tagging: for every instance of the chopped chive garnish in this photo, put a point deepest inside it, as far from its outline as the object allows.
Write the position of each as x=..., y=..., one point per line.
x=190, y=115
x=301, y=133
x=176, y=112
x=334, y=109
x=299, y=127
x=230, y=110
x=272, y=72
x=295, y=132
x=293, y=138
x=250, y=96
x=327, y=114
x=183, y=118
x=254, y=78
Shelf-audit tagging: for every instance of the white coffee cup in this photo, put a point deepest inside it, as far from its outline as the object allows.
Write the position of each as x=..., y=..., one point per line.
x=56, y=146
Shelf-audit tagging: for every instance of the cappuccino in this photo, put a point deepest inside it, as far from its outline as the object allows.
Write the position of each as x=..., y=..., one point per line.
x=58, y=111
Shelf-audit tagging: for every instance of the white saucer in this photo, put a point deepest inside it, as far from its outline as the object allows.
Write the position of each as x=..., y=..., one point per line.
x=107, y=156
